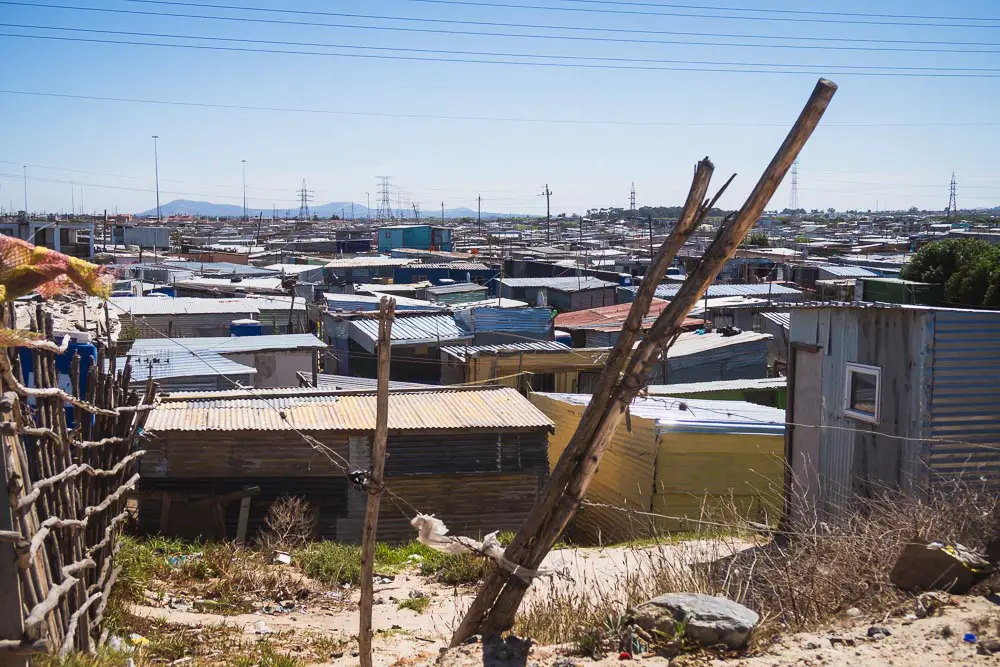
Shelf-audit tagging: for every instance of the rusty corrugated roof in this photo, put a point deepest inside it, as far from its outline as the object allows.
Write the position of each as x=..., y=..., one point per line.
x=408, y=411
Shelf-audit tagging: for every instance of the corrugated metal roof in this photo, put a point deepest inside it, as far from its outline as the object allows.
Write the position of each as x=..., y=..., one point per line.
x=456, y=288
x=699, y=415
x=431, y=410
x=413, y=330
x=361, y=262
x=165, y=305
x=204, y=364
x=502, y=302
x=391, y=287
x=248, y=284
x=227, y=345
x=460, y=351
x=285, y=303
x=330, y=382
x=720, y=385
x=207, y=268
x=693, y=342
x=847, y=271
x=605, y=315
x=783, y=320
x=564, y=283
x=459, y=266
x=365, y=302
x=758, y=289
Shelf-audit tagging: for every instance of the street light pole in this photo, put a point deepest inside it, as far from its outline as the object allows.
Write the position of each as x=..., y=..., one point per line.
x=368, y=214
x=245, y=191
x=156, y=166
x=25, y=168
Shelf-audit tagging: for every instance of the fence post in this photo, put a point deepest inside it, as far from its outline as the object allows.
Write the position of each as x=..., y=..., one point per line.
x=11, y=611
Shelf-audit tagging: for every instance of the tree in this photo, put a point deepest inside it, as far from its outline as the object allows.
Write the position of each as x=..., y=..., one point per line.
x=969, y=269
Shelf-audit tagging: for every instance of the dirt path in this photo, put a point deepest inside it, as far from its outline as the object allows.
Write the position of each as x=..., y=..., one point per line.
x=405, y=637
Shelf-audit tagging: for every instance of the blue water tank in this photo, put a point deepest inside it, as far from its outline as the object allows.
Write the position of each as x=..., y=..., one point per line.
x=88, y=357
x=245, y=328
x=563, y=337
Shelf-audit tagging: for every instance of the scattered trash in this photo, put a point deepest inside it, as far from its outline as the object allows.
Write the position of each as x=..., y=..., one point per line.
x=415, y=594
x=853, y=612
x=624, y=655
x=842, y=641
x=283, y=558
x=180, y=605
x=130, y=663
x=939, y=566
x=969, y=638
x=181, y=661
x=207, y=605
x=177, y=561
x=415, y=558
x=876, y=632
x=137, y=639
x=260, y=628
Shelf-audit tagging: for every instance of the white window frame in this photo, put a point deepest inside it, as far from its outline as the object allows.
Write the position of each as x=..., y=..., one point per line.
x=863, y=369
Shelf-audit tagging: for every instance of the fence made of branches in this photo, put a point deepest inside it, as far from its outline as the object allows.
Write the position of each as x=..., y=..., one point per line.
x=69, y=439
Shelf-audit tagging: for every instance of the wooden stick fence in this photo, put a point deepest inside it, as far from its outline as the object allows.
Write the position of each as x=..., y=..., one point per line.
x=67, y=483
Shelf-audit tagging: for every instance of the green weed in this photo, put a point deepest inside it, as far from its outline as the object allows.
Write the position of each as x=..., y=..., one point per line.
x=418, y=605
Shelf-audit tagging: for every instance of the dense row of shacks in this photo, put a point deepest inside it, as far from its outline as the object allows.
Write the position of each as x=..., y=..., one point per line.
x=267, y=364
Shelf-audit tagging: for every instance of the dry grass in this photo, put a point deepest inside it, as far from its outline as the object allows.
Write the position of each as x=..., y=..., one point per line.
x=798, y=580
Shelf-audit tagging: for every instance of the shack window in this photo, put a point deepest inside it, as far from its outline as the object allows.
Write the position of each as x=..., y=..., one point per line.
x=863, y=392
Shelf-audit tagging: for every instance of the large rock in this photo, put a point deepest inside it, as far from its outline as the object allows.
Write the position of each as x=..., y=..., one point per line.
x=709, y=620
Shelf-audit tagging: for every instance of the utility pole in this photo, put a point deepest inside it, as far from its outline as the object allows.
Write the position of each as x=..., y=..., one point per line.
x=72, y=200
x=548, y=215
x=374, y=486
x=368, y=215
x=245, y=218
x=442, y=212
x=649, y=219
x=156, y=166
x=479, y=202
x=25, y=168
x=952, y=202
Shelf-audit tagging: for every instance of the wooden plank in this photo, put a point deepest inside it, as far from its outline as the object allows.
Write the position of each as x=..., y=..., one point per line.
x=241, y=525
x=386, y=309
x=494, y=608
x=11, y=619
x=164, y=512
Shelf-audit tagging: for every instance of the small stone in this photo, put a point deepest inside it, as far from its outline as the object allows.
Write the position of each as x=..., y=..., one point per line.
x=287, y=603
x=355, y=653
x=853, y=612
x=337, y=654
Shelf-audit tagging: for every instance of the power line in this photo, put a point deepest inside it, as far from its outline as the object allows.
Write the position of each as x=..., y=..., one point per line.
x=129, y=188
x=535, y=26
x=731, y=67
x=490, y=119
x=591, y=10
x=487, y=53
x=767, y=10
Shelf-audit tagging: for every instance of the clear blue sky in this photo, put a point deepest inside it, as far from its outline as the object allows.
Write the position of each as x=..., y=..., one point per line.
x=904, y=154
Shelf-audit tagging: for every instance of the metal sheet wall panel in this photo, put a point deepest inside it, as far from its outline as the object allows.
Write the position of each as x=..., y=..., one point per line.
x=964, y=395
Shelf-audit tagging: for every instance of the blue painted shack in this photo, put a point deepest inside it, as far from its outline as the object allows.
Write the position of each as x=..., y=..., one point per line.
x=494, y=324
x=422, y=237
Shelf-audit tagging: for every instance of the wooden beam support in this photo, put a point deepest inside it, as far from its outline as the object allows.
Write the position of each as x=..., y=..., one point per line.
x=498, y=599
x=386, y=312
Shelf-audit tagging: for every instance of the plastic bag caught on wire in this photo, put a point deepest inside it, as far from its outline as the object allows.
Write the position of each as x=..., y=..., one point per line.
x=26, y=268
x=432, y=532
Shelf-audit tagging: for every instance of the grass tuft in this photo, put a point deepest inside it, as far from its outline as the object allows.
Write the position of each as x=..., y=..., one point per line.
x=418, y=605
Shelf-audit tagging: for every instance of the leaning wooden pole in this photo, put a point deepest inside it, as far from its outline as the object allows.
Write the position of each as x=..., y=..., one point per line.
x=494, y=610
x=386, y=312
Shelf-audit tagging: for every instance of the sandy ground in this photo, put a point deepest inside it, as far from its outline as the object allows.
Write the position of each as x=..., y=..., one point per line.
x=405, y=637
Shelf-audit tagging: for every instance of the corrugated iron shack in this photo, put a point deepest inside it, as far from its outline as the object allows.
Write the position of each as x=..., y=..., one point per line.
x=900, y=396
x=564, y=294
x=534, y=365
x=474, y=457
x=182, y=317
x=679, y=458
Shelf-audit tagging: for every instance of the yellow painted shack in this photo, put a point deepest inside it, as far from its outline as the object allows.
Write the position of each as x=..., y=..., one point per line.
x=536, y=365
x=680, y=460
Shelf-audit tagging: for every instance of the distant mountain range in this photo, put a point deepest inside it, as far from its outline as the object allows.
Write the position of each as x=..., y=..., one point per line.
x=339, y=208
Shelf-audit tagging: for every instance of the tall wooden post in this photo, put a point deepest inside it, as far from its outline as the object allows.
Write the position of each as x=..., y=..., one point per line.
x=385, y=315
x=494, y=608
x=11, y=610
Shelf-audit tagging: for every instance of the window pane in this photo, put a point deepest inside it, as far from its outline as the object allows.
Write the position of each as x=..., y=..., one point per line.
x=863, y=392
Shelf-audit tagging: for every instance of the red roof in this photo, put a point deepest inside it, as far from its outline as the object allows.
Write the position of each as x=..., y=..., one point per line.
x=613, y=317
